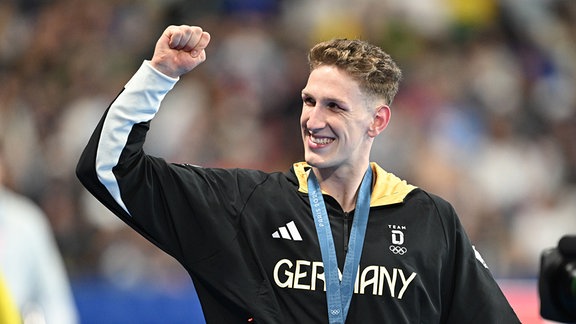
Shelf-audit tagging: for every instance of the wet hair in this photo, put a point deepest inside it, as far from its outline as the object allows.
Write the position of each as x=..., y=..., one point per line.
x=374, y=70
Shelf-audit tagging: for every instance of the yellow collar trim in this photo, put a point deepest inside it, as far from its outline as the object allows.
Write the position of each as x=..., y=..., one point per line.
x=387, y=188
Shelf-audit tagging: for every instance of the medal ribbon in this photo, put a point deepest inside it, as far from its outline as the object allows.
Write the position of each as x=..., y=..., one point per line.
x=339, y=293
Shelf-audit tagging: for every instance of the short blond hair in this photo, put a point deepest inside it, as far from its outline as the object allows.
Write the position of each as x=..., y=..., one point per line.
x=377, y=74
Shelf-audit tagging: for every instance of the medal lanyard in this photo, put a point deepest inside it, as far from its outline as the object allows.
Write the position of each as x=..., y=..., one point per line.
x=339, y=293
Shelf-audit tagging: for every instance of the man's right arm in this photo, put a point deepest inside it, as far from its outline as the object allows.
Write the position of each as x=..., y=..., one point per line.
x=178, y=50
x=134, y=107
x=116, y=144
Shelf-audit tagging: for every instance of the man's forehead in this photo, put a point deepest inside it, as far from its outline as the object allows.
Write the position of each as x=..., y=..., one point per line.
x=328, y=80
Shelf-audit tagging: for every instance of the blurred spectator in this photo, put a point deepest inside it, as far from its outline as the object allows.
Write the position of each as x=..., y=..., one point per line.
x=31, y=263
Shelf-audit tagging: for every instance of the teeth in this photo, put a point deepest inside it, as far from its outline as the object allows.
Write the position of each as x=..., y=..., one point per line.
x=321, y=141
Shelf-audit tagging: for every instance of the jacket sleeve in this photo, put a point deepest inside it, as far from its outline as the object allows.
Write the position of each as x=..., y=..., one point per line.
x=134, y=107
x=174, y=206
x=118, y=139
x=473, y=294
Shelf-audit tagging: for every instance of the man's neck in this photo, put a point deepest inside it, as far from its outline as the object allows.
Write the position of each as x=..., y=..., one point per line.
x=342, y=185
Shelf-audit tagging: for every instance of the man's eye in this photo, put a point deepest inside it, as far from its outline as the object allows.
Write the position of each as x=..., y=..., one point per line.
x=333, y=105
x=308, y=101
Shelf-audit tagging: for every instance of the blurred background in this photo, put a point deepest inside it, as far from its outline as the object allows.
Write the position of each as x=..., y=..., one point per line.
x=485, y=117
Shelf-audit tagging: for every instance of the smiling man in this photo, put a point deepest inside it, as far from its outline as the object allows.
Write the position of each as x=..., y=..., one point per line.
x=344, y=109
x=335, y=239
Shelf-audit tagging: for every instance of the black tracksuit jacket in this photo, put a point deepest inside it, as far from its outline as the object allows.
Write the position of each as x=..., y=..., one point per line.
x=247, y=238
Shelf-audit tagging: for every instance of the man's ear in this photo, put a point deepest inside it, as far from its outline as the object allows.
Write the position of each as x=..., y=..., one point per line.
x=379, y=121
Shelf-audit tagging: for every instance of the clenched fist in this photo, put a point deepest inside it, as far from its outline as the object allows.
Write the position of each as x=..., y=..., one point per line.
x=180, y=49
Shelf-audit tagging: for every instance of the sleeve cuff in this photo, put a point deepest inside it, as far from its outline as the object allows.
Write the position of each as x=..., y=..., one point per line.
x=148, y=78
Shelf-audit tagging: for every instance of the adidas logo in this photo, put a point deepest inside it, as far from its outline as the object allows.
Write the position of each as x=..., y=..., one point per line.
x=288, y=232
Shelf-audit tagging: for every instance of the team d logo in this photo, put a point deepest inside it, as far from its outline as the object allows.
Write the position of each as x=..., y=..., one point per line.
x=397, y=239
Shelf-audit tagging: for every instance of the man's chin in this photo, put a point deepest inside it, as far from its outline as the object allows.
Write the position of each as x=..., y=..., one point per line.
x=314, y=161
x=311, y=162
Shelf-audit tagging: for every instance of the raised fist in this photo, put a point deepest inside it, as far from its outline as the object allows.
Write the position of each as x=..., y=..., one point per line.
x=180, y=49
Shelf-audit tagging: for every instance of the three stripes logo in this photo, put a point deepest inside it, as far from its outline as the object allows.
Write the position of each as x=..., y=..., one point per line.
x=288, y=232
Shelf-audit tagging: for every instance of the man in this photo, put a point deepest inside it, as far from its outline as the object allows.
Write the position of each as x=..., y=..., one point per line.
x=271, y=247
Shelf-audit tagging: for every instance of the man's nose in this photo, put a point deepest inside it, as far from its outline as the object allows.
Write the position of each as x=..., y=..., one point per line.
x=316, y=118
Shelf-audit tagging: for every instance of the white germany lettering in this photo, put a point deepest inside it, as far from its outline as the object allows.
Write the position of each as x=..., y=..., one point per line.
x=307, y=275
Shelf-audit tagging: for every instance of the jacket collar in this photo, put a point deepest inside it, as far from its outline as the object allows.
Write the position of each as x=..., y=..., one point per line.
x=387, y=189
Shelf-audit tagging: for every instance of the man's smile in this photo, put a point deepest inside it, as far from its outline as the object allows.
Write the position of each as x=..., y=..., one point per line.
x=320, y=140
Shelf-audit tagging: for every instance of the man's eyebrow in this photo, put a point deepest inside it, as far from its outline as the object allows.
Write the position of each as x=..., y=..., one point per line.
x=337, y=101
x=328, y=99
